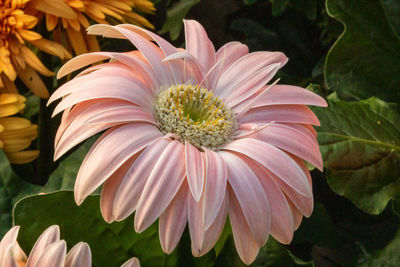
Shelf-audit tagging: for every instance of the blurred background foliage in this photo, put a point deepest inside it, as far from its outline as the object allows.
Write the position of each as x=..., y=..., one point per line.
x=345, y=50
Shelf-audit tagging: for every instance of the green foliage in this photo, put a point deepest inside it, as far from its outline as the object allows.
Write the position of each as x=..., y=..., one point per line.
x=12, y=188
x=365, y=60
x=360, y=144
x=175, y=15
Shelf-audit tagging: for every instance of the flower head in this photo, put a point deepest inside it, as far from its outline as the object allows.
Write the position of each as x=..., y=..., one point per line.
x=193, y=136
x=16, y=134
x=73, y=17
x=16, y=59
x=48, y=250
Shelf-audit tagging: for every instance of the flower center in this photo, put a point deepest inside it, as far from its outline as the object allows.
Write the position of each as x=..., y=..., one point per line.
x=194, y=114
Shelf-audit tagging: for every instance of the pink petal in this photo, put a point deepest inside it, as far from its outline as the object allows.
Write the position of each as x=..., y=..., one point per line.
x=96, y=167
x=84, y=82
x=274, y=160
x=140, y=67
x=123, y=114
x=162, y=185
x=297, y=216
x=79, y=256
x=7, y=260
x=211, y=235
x=246, y=245
x=10, y=238
x=134, y=262
x=91, y=117
x=196, y=223
x=81, y=61
x=281, y=216
x=50, y=236
x=215, y=186
x=165, y=46
x=231, y=52
x=198, y=44
x=280, y=113
x=252, y=199
x=250, y=86
x=294, y=139
x=110, y=189
x=287, y=94
x=117, y=88
x=194, y=170
x=245, y=67
x=54, y=255
x=151, y=52
x=191, y=64
x=131, y=187
x=304, y=204
x=173, y=220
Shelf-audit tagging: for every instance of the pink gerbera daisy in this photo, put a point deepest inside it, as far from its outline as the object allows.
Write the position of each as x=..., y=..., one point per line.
x=193, y=136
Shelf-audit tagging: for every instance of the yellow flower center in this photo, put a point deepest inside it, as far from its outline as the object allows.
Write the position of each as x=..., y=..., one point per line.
x=195, y=115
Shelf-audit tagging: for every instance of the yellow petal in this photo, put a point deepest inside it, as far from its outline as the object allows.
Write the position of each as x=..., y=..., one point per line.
x=33, y=81
x=135, y=18
x=29, y=35
x=30, y=133
x=22, y=157
x=74, y=24
x=14, y=123
x=58, y=8
x=32, y=60
x=8, y=99
x=14, y=145
x=83, y=20
x=51, y=22
x=145, y=6
x=76, y=4
x=52, y=48
x=77, y=41
x=11, y=109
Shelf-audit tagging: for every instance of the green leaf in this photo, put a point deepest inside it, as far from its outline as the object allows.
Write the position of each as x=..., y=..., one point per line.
x=111, y=244
x=389, y=256
x=365, y=60
x=63, y=178
x=360, y=145
x=175, y=15
x=12, y=188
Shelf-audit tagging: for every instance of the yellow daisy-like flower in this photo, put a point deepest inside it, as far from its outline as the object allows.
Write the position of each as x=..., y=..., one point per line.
x=16, y=59
x=16, y=134
x=73, y=15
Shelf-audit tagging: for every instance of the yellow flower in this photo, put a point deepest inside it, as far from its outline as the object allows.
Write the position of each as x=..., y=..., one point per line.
x=16, y=59
x=73, y=15
x=16, y=134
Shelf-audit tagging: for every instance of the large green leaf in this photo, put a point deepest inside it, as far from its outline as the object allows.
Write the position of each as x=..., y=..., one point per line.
x=360, y=144
x=365, y=60
x=111, y=244
x=12, y=188
x=175, y=15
